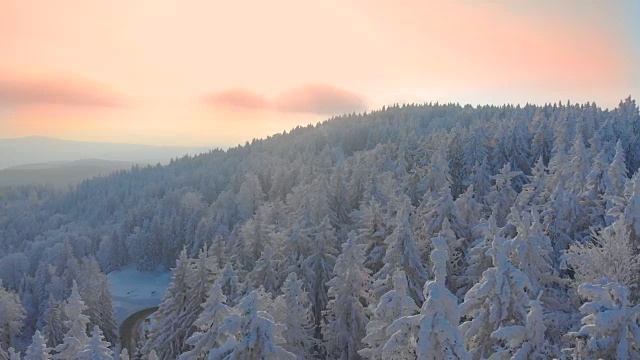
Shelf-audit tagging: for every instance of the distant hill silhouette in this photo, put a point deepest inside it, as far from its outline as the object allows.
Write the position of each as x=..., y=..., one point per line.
x=38, y=149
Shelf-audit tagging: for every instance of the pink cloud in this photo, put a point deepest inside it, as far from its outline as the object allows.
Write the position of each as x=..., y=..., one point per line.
x=237, y=98
x=319, y=99
x=23, y=91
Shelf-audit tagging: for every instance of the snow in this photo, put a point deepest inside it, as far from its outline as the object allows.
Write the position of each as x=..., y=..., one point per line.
x=133, y=290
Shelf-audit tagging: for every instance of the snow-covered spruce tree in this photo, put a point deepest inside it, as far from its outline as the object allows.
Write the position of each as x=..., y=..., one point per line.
x=610, y=322
x=499, y=299
x=12, y=315
x=513, y=147
x=469, y=214
x=562, y=218
x=530, y=250
x=578, y=166
x=96, y=348
x=167, y=336
x=438, y=176
x=592, y=197
x=318, y=268
x=534, y=193
x=402, y=254
x=76, y=337
x=439, y=336
x=526, y=342
x=626, y=210
x=372, y=232
x=95, y=291
x=617, y=173
x=264, y=273
x=38, y=349
x=53, y=322
x=394, y=304
x=542, y=141
x=229, y=283
x=293, y=309
x=502, y=195
x=346, y=315
x=208, y=335
x=476, y=259
x=481, y=181
x=253, y=334
x=200, y=278
x=433, y=212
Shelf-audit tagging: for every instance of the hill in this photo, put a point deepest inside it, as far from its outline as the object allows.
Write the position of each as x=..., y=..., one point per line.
x=500, y=221
x=60, y=174
x=38, y=149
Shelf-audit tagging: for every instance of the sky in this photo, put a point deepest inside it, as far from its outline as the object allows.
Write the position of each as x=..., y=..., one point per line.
x=219, y=73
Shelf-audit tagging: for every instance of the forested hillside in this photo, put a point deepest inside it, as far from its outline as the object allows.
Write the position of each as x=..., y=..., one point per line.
x=415, y=231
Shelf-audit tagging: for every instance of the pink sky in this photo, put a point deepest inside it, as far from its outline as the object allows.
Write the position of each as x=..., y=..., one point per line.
x=219, y=73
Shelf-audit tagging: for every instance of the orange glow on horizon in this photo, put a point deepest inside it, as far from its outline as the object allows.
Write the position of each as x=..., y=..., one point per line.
x=138, y=72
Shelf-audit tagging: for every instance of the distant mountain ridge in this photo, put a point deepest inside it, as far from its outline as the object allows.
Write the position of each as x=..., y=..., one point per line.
x=39, y=150
x=60, y=174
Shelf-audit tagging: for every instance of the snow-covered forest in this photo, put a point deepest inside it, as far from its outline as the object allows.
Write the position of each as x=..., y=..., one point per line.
x=412, y=232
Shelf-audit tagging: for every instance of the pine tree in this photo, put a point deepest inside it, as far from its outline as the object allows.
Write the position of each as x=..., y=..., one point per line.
x=433, y=213
x=617, y=172
x=481, y=181
x=502, y=194
x=402, y=254
x=168, y=335
x=531, y=250
x=229, y=283
x=53, y=321
x=38, y=349
x=627, y=209
x=534, y=193
x=294, y=311
x=96, y=348
x=345, y=313
x=578, y=165
x=12, y=315
x=264, y=272
x=439, y=317
x=499, y=298
x=76, y=338
x=208, y=336
x=372, y=232
x=476, y=259
x=524, y=342
x=394, y=304
x=592, y=198
x=319, y=270
x=257, y=336
x=610, y=322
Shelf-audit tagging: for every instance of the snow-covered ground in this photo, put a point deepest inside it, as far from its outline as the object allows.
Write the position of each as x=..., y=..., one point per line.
x=133, y=290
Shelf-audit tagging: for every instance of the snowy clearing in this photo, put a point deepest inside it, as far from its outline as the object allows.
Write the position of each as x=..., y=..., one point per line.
x=133, y=290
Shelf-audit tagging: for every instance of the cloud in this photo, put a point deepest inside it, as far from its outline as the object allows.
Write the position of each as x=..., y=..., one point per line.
x=237, y=98
x=23, y=91
x=319, y=99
